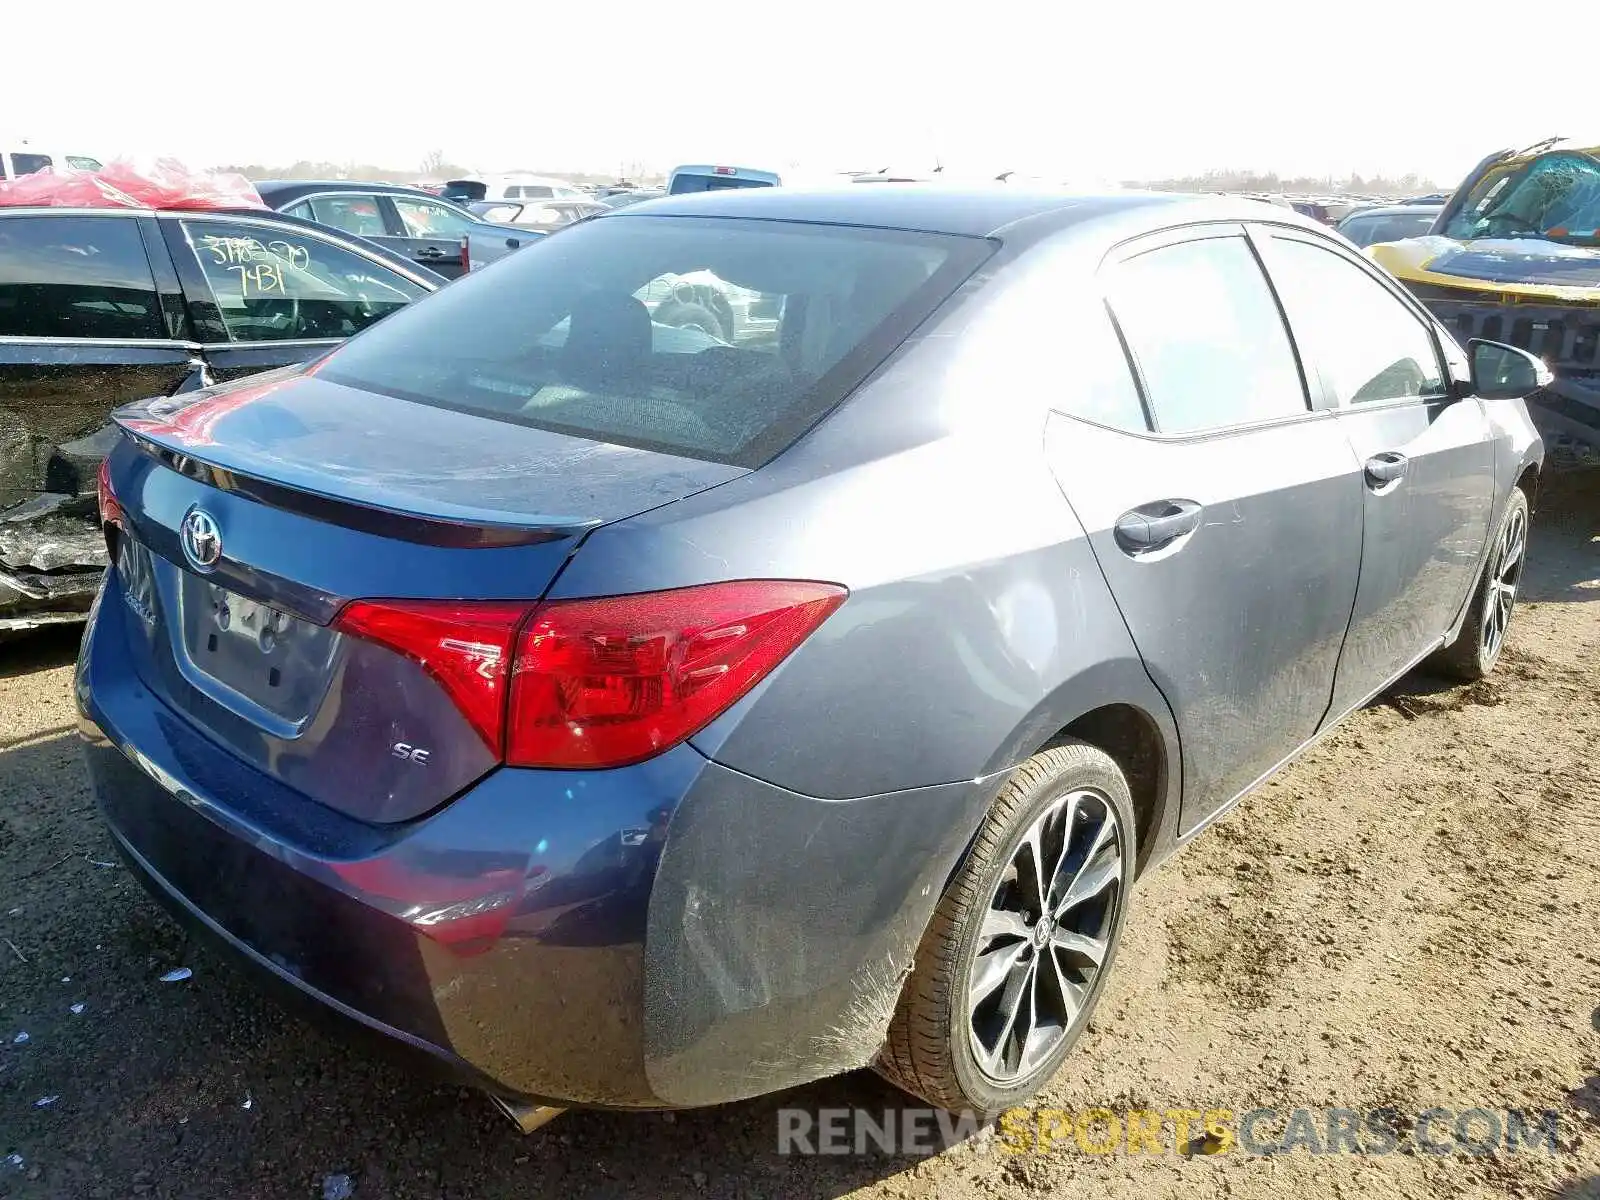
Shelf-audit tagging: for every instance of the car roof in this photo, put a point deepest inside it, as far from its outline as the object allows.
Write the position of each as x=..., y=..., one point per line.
x=284, y=189
x=995, y=210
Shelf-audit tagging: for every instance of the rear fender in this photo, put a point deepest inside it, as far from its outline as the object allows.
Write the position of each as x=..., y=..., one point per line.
x=1113, y=681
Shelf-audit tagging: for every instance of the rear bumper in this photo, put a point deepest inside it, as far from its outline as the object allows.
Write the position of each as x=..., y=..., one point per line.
x=669, y=934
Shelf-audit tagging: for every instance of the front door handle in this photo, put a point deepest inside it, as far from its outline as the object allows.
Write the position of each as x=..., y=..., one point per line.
x=1152, y=526
x=1386, y=468
x=430, y=252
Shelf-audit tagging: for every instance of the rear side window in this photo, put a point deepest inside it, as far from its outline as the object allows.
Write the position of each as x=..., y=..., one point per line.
x=426, y=219
x=27, y=164
x=713, y=338
x=1369, y=231
x=76, y=277
x=1206, y=333
x=1097, y=382
x=687, y=182
x=1366, y=344
x=277, y=284
x=359, y=215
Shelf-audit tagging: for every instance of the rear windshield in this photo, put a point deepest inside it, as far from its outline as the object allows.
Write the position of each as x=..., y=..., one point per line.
x=1390, y=227
x=712, y=338
x=692, y=182
x=28, y=164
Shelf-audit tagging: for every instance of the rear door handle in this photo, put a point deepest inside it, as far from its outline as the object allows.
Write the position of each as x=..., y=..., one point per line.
x=1387, y=467
x=1152, y=526
x=430, y=252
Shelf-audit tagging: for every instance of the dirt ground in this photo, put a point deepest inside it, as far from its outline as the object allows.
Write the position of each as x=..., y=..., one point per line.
x=1407, y=918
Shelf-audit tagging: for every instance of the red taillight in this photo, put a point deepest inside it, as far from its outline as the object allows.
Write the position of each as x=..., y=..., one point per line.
x=466, y=255
x=466, y=647
x=110, y=506
x=600, y=683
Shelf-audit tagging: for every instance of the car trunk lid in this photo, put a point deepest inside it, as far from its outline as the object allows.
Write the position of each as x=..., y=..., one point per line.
x=310, y=495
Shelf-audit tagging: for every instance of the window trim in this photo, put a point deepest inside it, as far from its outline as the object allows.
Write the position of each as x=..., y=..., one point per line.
x=205, y=314
x=1055, y=406
x=1268, y=231
x=26, y=339
x=1177, y=235
x=157, y=279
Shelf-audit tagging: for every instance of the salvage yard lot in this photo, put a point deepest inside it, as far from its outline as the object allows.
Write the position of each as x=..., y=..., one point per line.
x=1405, y=918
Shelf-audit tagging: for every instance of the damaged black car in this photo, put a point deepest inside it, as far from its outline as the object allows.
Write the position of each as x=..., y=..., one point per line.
x=102, y=307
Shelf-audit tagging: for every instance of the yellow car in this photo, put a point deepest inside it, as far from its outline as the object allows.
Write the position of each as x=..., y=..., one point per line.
x=1515, y=257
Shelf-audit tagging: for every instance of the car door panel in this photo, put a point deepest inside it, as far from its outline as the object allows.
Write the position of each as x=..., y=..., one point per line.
x=1425, y=535
x=442, y=255
x=1427, y=459
x=55, y=392
x=82, y=330
x=1240, y=620
x=1230, y=536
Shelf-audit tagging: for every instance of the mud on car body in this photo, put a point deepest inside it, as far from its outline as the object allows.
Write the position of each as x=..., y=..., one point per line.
x=1515, y=257
x=103, y=307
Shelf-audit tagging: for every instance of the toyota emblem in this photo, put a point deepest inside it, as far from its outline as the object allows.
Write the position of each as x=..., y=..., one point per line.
x=201, y=539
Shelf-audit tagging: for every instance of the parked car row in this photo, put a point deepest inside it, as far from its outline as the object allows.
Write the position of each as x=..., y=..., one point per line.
x=435, y=233
x=102, y=307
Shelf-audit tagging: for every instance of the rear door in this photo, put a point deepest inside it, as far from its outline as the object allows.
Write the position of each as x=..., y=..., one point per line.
x=1226, y=515
x=1428, y=460
x=263, y=293
x=429, y=223
x=373, y=217
x=84, y=327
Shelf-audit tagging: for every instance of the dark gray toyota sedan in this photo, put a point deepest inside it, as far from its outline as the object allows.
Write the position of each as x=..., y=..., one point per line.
x=632, y=720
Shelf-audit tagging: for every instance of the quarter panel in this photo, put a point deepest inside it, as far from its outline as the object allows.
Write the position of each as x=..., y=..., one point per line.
x=782, y=927
x=973, y=597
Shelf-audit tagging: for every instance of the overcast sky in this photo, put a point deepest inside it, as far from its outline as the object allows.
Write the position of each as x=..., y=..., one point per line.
x=1111, y=89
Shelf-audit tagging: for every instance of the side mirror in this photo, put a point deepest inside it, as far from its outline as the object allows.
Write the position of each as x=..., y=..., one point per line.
x=1501, y=372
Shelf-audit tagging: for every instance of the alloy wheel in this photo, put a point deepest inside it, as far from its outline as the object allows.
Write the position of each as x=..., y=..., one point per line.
x=1046, y=933
x=1504, y=577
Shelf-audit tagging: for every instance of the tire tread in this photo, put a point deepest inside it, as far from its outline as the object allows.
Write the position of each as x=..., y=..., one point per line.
x=916, y=1055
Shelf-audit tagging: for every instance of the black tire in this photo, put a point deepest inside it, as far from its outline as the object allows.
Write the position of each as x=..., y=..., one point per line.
x=1474, y=652
x=929, y=1051
x=681, y=314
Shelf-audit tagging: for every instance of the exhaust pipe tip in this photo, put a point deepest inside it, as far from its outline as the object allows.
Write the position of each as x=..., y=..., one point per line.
x=526, y=1117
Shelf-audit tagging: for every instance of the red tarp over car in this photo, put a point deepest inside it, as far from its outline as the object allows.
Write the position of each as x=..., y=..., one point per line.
x=164, y=183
